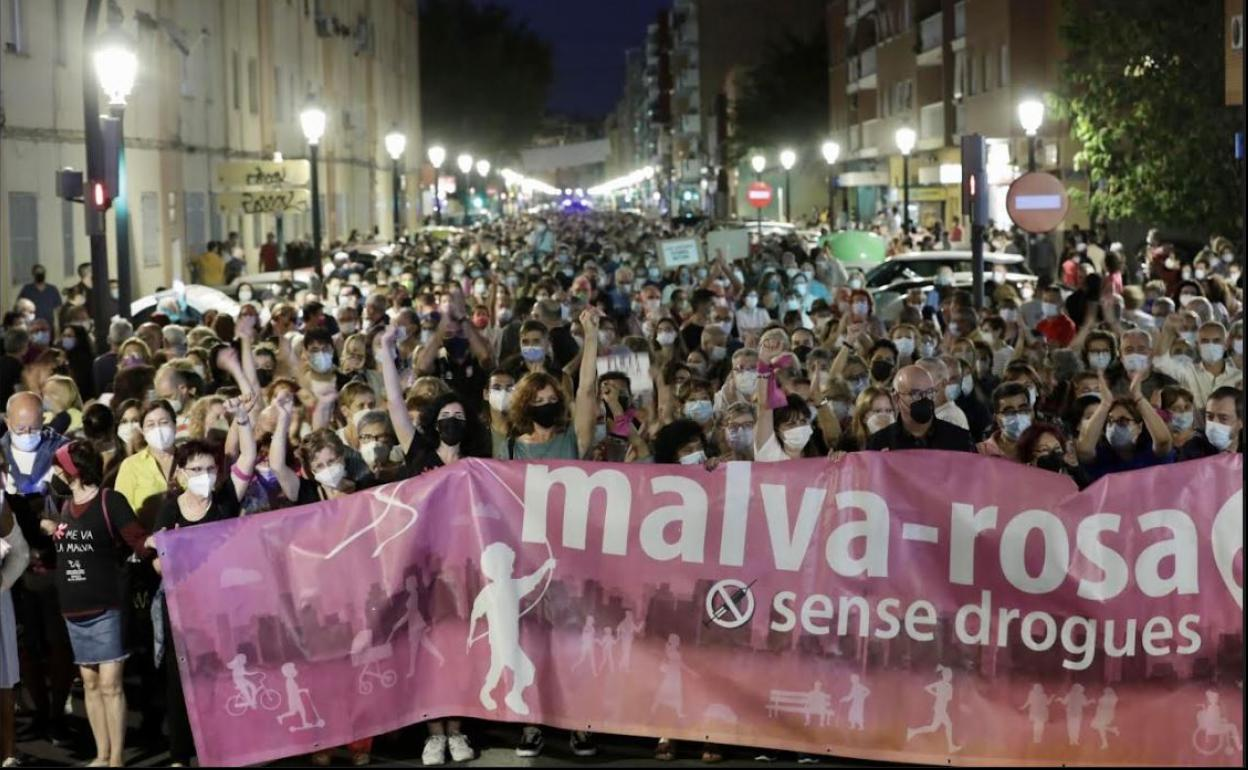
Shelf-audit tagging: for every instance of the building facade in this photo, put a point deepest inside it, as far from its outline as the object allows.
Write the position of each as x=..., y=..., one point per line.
x=217, y=81
x=942, y=68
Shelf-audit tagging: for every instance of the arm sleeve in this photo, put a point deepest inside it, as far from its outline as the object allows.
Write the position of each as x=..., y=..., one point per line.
x=15, y=562
x=125, y=524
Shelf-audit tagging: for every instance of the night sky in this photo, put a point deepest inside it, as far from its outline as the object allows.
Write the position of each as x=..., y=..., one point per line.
x=588, y=39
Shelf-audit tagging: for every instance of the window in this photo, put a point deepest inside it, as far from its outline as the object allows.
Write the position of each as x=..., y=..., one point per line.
x=15, y=41
x=238, y=105
x=1005, y=64
x=67, y=235
x=253, y=86
x=279, y=106
x=959, y=74
x=23, y=235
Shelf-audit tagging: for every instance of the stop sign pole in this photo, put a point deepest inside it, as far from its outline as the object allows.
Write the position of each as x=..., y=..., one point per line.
x=759, y=196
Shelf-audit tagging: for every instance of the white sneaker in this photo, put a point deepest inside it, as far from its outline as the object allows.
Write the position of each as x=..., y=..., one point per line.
x=11, y=762
x=461, y=751
x=435, y=750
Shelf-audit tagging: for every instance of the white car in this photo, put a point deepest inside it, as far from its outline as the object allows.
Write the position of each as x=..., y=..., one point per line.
x=300, y=279
x=891, y=281
x=185, y=304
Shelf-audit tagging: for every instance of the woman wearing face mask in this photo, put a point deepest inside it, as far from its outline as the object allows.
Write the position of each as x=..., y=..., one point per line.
x=751, y=317
x=448, y=432
x=146, y=472
x=76, y=343
x=785, y=433
x=62, y=405
x=698, y=403
x=1123, y=434
x=91, y=597
x=1045, y=445
x=133, y=352
x=736, y=431
x=202, y=494
x=666, y=343
x=873, y=411
x=1178, y=403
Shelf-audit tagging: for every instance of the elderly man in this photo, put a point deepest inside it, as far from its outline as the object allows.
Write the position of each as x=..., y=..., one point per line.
x=1135, y=346
x=1214, y=369
x=947, y=391
x=914, y=396
x=27, y=449
x=151, y=334
x=174, y=338
x=620, y=296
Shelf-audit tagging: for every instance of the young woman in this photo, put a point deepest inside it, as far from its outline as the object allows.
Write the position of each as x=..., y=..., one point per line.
x=783, y=433
x=1123, y=434
x=448, y=431
x=76, y=343
x=146, y=472
x=198, y=497
x=90, y=591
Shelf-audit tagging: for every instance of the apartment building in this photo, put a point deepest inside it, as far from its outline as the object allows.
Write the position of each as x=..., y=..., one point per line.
x=942, y=68
x=217, y=81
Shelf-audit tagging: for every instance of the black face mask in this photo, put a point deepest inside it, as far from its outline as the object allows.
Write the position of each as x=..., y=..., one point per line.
x=451, y=430
x=923, y=410
x=1052, y=461
x=546, y=415
x=881, y=369
x=40, y=276
x=265, y=376
x=216, y=435
x=59, y=487
x=801, y=351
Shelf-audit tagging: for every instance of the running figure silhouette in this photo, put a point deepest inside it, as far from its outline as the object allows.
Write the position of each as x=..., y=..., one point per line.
x=499, y=603
x=942, y=691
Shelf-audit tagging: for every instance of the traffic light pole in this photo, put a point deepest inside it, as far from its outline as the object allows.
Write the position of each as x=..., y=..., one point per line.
x=95, y=208
x=121, y=210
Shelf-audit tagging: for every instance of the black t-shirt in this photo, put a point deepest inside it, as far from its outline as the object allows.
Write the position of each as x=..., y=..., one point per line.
x=942, y=435
x=467, y=379
x=90, y=546
x=563, y=347
x=421, y=457
x=977, y=415
x=310, y=489
x=692, y=336
x=224, y=506
x=1198, y=446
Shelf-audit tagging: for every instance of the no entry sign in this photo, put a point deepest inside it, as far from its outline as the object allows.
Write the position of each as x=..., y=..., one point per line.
x=1037, y=202
x=759, y=194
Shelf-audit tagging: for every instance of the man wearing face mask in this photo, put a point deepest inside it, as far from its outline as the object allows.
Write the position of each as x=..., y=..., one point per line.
x=914, y=394
x=45, y=296
x=178, y=387
x=1012, y=409
x=1224, y=426
x=1214, y=370
x=28, y=450
x=947, y=389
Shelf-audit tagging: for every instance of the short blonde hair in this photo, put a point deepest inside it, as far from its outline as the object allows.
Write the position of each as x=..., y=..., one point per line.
x=67, y=389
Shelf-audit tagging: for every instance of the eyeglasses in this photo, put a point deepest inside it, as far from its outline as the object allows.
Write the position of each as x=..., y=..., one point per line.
x=1122, y=422
x=918, y=395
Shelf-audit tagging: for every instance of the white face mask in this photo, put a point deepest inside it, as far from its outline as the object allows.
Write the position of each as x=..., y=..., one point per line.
x=751, y=301
x=953, y=391
x=665, y=338
x=905, y=345
x=797, y=438
x=1135, y=362
x=968, y=384
x=855, y=283
x=1100, y=360
x=1211, y=352
x=375, y=452
x=500, y=400
x=746, y=382
x=331, y=475
x=879, y=421
x=1219, y=435
x=1237, y=345
x=695, y=458
x=321, y=362
x=127, y=431
x=201, y=484
x=160, y=438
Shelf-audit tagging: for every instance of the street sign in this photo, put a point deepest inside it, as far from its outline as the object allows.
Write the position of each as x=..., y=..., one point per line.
x=265, y=202
x=263, y=173
x=679, y=251
x=759, y=195
x=1037, y=202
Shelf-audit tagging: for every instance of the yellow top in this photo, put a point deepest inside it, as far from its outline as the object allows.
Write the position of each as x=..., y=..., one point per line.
x=211, y=268
x=140, y=477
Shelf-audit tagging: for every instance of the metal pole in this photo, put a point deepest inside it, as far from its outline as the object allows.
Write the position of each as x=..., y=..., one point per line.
x=1031, y=153
x=316, y=208
x=977, y=263
x=905, y=187
x=121, y=208
x=788, y=205
x=759, y=178
x=831, y=198
x=398, y=205
x=437, y=202
x=95, y=172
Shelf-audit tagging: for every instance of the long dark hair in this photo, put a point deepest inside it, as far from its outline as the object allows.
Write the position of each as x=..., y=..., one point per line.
x=476, y=442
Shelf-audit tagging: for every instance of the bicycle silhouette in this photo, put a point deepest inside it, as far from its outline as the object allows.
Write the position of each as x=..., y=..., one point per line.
x=265, y=697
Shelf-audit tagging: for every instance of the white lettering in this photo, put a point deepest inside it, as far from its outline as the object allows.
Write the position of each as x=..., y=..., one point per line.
x=1128, y=643
x=789, y=547
x=578, y=488
x=1027, y=630
x=982, y=611
x=816, y=607
x=1111, y=564
x=1086, y=648
x=1187, y=632
x=887, y=609
x=853, y=603
x=1181, y=547
x=965, y=526
x=923, y=612
x=736, y=509
x=690, y=515
x=1056, y=551
x=873, y=529
x=780, y=605
x=1157, y=629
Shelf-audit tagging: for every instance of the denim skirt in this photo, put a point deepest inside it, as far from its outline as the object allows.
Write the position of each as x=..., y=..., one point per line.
x=97, y=640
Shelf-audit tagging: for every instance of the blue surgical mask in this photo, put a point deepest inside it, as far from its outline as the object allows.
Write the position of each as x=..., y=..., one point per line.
x=1119, y=436
x=1182, y=421
x=27, y=442
x=1013, y=425
x=532, y=353
x=699, y=411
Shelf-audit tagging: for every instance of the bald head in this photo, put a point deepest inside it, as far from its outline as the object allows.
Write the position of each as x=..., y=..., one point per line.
x=914, y=378
x=24, y=412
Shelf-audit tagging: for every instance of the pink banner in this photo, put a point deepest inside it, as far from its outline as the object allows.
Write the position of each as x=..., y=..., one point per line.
x=912, y=606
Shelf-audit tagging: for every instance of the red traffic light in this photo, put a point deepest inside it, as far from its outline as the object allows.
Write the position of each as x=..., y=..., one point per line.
x=971, y=185
x=99, y=196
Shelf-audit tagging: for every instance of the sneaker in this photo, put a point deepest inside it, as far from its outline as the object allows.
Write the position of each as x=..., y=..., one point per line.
x=435, y=750
x=582, y=744
x=322, y=759
x=531, y=743
x=808, y=759
x=360, y=759
x=11, y=762
x=461, y=751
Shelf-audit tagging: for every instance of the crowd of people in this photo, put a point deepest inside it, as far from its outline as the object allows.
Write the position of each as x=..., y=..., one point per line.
x=487, y=344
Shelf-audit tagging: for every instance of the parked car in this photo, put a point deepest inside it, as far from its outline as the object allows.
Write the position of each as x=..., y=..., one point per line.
x=890, y=282
x=300, y=279
x=184, y=304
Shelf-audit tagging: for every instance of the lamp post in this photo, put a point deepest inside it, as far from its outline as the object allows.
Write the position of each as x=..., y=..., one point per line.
x=437, y=156
x=1031, y=115
x=115, y=67
x=787, y=159
x=396, y=143
x=831, y=151
x=277, y=219
x=464, y=161
x=483, y=170
x=312, y=121
x=905, y=142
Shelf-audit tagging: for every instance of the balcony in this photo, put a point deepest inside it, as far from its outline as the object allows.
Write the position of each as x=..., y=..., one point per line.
x=862, y=71
x=929, y=40
x=931, y=126
x=855, y=138
x=870, y=137
x=959, y=25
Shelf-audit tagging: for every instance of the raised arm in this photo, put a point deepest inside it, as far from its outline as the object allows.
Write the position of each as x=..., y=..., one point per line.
x=286, y=476
x=1085, y=448
x=1163, y=441
x=585, y=411
x=245, y=466
x=764, y=425
x=246, y=357
x=404, y=429
x=426, y=360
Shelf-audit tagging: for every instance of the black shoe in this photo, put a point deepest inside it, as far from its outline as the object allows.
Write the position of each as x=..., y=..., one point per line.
x=531, y=743
x=59, y=735
x=582, y=744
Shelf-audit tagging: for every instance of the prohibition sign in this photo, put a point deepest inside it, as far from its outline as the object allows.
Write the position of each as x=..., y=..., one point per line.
x=730, y=604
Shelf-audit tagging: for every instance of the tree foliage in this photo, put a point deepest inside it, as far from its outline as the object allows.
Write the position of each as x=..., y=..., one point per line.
x=1142, y=87
x=484, y=78
x=784, y=98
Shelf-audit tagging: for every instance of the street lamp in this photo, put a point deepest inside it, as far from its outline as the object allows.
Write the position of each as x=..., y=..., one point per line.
x=116, y=67
x=312, y=121
x=437, y=156
x=1031, y=115
x=464, y=161
x=905, y=138
x=831, y=151
x=787, y=159
x=483, y=167
x=396, y=143
x=758, y=163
